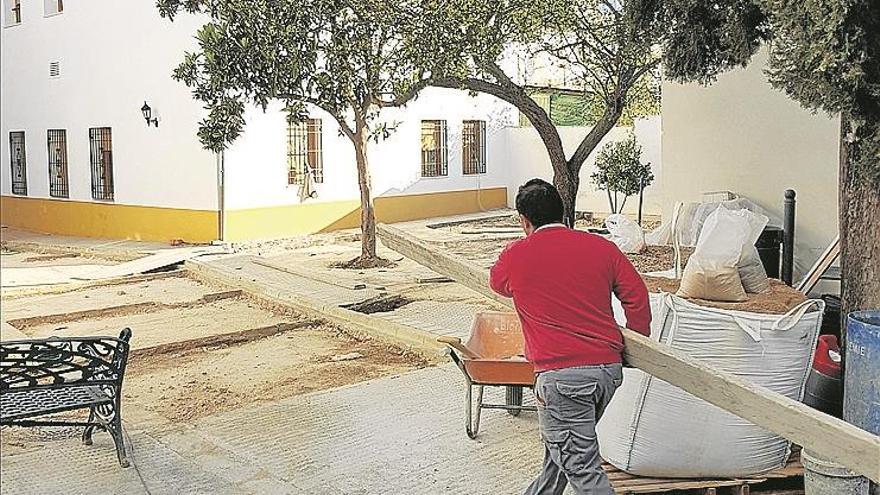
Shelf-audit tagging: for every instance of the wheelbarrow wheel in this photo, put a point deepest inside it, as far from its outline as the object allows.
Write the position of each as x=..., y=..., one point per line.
x=514, y=397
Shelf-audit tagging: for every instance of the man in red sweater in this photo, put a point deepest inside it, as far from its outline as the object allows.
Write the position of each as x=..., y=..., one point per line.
x=561, y=281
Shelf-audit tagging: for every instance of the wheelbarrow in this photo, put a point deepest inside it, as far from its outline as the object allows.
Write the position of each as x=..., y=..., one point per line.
x=492, y=357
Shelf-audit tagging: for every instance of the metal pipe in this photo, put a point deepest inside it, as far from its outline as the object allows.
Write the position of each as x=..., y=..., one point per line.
x=788, y=237
x=221, y=196
x=641, y=197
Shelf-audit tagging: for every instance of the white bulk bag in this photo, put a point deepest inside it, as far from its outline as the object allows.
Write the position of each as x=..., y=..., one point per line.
x=652, y=428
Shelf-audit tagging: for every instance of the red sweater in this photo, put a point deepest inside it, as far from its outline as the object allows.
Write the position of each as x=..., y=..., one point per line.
x=561, y=282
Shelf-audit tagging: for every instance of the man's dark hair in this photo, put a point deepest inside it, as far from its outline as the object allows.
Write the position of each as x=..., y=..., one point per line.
x=539, y=202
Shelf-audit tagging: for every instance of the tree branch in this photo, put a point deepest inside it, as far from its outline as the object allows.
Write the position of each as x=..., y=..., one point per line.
x=607, y=122
x=517, y=97
x=405, y=97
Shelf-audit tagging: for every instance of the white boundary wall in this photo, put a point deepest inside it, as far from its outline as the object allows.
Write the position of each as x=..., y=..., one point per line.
x=740, y=134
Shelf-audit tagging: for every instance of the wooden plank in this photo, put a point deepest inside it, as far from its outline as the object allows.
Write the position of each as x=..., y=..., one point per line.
x=824, y=435
x=820, y=267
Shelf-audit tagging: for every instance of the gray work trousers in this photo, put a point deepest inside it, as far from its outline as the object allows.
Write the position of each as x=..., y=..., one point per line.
x=570, y=403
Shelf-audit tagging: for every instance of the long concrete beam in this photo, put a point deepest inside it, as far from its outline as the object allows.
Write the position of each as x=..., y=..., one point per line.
x=821, y=434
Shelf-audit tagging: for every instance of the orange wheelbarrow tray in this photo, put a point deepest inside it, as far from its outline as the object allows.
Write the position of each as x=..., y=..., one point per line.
x=492, y=357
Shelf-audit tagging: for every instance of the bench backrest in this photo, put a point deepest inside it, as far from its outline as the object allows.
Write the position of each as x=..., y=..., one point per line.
x=63, y=361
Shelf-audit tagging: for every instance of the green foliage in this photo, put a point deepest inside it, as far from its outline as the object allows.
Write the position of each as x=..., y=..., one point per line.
x=347, y=57
x=703, y=38
x=826, y=55
x=351, y=58
x=620, y=171
x=606, y=49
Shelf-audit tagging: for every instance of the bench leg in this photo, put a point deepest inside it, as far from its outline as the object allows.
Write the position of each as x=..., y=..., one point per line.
x=87, y=433
x=114, y=428
x=110, y=420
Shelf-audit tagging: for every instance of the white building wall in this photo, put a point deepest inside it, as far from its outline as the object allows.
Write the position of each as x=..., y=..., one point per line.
x=742, y=135
x=113, y=56
x=527, y=158
x=256, y=164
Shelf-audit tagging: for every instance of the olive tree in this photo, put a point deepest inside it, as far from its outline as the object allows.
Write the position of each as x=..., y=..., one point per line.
x=607, y=47
x=348, y=58
x=620, y=172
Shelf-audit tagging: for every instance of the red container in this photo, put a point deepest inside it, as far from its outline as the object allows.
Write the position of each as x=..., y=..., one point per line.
x=823, y=361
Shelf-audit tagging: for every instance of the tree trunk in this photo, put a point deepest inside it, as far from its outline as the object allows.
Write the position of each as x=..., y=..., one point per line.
x=859, y=197
x=567, y=185
x=368, y=214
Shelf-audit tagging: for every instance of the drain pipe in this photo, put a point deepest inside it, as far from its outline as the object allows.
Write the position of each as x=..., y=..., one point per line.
x=788, y=237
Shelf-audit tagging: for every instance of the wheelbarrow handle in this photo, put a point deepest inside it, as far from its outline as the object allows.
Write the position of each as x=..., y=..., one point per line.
x=456, y=344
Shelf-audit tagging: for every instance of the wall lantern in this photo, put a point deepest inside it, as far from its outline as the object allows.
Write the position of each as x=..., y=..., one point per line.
x=148, y=115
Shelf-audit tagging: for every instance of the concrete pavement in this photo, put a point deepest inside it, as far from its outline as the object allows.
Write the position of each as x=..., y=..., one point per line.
x=396, y=435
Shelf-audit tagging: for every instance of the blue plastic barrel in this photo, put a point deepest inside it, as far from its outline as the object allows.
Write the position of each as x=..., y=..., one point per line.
x=861, y=396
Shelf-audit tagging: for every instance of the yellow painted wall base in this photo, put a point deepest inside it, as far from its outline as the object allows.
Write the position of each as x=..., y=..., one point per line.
x=146, y=223
x=108, y=220
x=308, y=218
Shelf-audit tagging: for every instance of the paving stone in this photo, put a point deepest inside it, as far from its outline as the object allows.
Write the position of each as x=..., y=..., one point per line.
x=393, y=435
x=69, y=467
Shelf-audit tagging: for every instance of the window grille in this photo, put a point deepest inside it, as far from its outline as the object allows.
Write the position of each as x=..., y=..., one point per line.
x=101, y=151
x=57, y=143
x=18, y=162
x=434, y=153
x=16, y=11
x=473, y=144
x=53, y=7
x=304, y=152
x=54, y=69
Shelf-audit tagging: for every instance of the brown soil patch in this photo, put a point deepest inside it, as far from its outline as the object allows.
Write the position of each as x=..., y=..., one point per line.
x=188, y=384
x=49, y=257
x=157, y=325
x=24, y=324
x=379, y=304
x=587, y=221
x=362, y=263
x=658, y=258
x=778, y=300
x=485, y=251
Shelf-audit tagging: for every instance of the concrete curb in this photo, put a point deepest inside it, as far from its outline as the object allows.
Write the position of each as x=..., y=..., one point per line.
x=408, y=337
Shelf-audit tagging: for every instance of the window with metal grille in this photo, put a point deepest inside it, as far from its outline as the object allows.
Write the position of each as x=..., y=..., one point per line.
x=473, y=147
x=18, y=161
x=304, y=152
x=58, y=186
x=434, y=154
x=101, y=154
x=13, y=12
x=54, y=69
x=51, y=7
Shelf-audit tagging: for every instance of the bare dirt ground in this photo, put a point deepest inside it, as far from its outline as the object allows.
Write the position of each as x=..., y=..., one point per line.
x=188, y=384
x=318, y=253
x=199, y=350
x=511, y=221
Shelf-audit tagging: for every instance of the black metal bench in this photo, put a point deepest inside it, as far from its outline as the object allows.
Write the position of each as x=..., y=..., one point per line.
x=45, y=376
